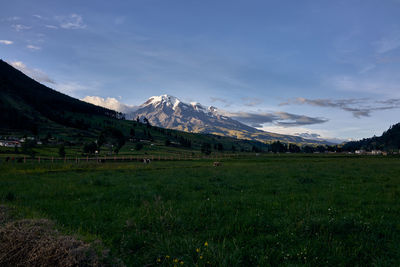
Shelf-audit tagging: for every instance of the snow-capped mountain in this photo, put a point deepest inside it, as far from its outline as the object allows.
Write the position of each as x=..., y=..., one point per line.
x=169, y=112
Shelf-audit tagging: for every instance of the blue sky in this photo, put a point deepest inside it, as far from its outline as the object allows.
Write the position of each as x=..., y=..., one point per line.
x=336, y=63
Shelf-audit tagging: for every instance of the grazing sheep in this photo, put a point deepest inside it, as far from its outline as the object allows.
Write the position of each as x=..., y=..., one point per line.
x=217, y=163
x=146, y=161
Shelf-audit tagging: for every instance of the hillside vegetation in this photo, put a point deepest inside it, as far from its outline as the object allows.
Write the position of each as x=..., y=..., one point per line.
x=28, y=108
x=389, y=141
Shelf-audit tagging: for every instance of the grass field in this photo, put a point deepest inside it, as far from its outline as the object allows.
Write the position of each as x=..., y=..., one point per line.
x=268, y=210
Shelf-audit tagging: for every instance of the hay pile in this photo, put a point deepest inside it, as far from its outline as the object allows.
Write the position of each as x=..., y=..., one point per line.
x=36, y=243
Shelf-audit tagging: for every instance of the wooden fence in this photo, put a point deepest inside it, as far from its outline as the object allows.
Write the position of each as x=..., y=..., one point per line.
x=102, y=159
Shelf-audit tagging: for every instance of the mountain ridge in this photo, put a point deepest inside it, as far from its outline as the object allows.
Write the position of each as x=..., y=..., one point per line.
x=169, y=112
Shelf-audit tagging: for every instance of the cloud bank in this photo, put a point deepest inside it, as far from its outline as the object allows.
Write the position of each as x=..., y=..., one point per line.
x=283, y=119
x=359, y=107
x=110, y=103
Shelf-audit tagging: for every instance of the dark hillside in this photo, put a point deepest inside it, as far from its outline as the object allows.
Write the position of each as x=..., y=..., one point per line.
x=25, y=103
x=389, y=141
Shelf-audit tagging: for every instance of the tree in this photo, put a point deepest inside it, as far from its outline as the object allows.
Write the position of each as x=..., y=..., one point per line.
x=220, y=147
x=61, y=151
x=27, y=147
x=321, y=149
x=293, y=148
x=147, y=122
x=132, y=132
x=206, y=148
x=167, y=142
x=278, y=147
x=113, y=137
x=90, y=148
x=308, y=149
x=149, y=135
x=138, y=146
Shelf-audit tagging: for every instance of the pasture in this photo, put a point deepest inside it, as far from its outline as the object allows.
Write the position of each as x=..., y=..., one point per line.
x=253, y=211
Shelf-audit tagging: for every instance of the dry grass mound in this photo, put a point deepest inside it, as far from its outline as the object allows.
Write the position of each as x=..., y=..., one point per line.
x=37, y=243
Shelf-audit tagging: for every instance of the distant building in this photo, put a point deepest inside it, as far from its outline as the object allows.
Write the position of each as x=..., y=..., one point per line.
x=9, y=143
x=376, y=152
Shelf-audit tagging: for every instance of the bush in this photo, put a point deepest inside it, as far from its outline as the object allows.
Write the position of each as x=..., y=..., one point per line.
x=61, y=151
x=90, y=148
x=206, y=148
x=10, y=196
x=138, y=146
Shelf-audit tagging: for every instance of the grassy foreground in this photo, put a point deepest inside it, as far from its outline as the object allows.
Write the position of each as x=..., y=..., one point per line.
x=268, y=210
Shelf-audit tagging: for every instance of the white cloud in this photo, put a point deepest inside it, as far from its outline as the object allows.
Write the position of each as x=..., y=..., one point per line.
x=51, y=27
x=6, y=42
x=33, y=47
x=37, y=16
x=387, y=44
x=303, y=132
x=35, y=74
x=73, y=21
x=110, y=103
x=20, y=27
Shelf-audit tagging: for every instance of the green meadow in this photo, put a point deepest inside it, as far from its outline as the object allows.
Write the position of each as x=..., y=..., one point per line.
x=288, y=210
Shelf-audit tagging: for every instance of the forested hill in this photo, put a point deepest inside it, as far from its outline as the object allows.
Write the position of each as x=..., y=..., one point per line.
x=25, y=102
x=389, y=141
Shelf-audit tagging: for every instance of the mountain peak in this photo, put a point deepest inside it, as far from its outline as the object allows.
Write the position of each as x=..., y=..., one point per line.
x=168, y=100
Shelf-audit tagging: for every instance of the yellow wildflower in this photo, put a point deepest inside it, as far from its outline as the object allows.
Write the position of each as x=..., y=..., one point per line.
x=181, y=262
x=167, y=256
x=175, y=260
x=201, y=257
x=206, y=244
x=197, y=250
x=158, y=260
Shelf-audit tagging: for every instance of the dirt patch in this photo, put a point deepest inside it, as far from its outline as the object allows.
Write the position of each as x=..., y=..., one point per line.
x=35, y=242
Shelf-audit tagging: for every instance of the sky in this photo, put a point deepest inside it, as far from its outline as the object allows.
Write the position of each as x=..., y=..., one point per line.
x=321, y=68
